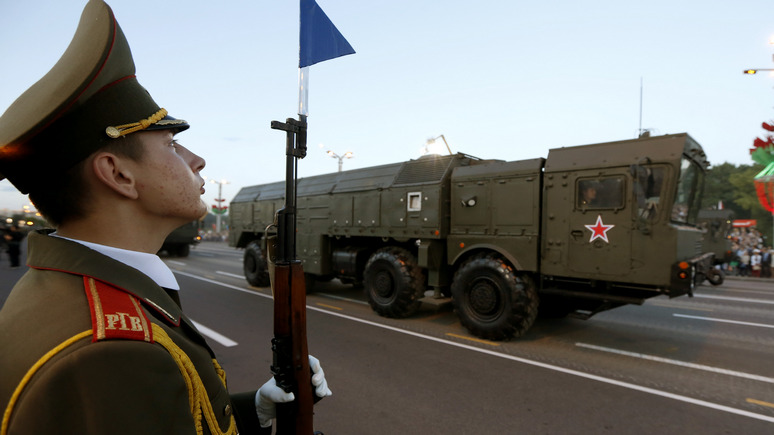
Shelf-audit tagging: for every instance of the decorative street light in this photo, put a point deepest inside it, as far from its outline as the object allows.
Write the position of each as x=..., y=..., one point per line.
x=432, y=141
x=219, y=209
x=763, y=154
x=764, y=183
x=347, y=155
x=753, y=71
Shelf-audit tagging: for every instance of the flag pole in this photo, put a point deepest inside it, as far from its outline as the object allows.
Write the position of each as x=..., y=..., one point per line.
x=303, y=91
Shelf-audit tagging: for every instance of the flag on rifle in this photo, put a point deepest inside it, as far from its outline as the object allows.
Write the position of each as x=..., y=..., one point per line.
x=319, y=40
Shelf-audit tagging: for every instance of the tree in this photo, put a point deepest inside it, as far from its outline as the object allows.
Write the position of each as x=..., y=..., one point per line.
x=717, y=188
x=734, y=186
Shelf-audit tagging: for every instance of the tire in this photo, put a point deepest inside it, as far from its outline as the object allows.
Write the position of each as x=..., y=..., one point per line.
x=493, y=302
x=255, y=266
x=715, y=277
x=393, y=283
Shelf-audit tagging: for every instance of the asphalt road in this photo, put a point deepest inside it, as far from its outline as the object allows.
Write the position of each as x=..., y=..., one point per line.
x=688, y=365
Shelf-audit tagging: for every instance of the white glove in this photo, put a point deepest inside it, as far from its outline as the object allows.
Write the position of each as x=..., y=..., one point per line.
x=270, y=394
x=265, y=399
x=318, y=378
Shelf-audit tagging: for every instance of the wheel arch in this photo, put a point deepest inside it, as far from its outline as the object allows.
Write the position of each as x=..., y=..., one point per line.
x=245, y=238
x=484, y=249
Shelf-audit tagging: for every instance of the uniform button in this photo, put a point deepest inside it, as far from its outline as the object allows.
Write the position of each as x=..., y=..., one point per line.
x=227, y=411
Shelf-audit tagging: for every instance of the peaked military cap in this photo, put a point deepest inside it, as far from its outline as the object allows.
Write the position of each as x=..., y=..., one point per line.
x=89, y=98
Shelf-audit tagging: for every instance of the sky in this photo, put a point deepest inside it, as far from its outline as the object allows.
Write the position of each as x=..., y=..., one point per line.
x=504, y=79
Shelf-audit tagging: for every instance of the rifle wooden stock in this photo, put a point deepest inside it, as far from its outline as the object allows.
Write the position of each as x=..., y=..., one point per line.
x=290, y=350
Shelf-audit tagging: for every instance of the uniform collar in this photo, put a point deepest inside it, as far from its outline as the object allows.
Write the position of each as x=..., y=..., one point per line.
x=60, y=254
x=149, y=264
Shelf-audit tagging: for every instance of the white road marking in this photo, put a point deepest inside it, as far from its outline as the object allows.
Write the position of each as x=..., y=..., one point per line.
x=222, y=284
x=222, y=339
x=732, y=290
x=729, y=298
x=178, y=263
x=678, y=363
x=712, y=319
x=622, y=384
x=232, y=275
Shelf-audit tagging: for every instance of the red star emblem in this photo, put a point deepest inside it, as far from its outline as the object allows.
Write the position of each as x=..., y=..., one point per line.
x=599, y=230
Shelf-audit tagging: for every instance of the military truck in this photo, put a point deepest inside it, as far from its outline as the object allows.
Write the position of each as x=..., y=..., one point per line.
x=718, y=225
x=178, y=242
x=586, y=229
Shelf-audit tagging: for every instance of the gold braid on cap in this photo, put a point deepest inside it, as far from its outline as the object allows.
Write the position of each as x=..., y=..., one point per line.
x=122, y=130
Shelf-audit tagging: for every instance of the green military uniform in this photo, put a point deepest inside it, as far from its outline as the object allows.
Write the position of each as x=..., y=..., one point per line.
x=61, y=374
x=88, y=344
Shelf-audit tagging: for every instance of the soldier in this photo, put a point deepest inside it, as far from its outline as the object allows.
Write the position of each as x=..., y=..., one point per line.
x=13, y=238
x=94, y=339
x=588, y=193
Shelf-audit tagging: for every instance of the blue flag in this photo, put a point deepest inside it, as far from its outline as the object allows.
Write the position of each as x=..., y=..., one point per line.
x=320, y=40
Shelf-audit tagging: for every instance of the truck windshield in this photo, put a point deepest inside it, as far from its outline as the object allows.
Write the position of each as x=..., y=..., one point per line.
x=688, y=196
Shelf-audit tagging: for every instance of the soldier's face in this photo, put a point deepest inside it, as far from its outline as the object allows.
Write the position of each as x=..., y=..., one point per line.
x=169, y=183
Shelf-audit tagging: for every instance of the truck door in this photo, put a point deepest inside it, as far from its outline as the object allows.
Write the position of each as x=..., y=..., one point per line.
x=600, y=224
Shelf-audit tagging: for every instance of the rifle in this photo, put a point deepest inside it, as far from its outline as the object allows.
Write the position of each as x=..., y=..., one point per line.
x=290, y=365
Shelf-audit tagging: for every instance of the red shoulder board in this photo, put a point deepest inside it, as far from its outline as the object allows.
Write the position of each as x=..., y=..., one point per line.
x=115, y=314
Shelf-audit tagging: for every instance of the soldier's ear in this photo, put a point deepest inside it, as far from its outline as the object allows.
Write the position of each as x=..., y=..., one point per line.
x=114, y=173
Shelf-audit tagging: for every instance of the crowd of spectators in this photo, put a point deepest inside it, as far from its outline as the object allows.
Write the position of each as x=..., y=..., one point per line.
x=749, y=256
x=212, y=236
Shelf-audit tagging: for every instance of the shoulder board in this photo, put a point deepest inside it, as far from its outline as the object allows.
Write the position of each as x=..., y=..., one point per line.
x=115, y=314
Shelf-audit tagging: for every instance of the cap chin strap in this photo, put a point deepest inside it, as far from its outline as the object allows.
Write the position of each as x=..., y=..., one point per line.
x=123, y=130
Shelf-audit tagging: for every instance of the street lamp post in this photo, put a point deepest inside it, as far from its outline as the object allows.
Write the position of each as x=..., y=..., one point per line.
x=219, y=209
x=433, y=139
x=347, y=155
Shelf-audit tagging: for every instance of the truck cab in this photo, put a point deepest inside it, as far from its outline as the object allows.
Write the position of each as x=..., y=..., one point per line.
x=624, y=214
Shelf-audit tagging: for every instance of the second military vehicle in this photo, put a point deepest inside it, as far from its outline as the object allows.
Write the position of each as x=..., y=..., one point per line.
x=718, y=225
x=178, y=242
x=586, y=229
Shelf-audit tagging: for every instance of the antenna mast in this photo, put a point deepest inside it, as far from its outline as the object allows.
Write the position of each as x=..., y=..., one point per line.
x=639, y=132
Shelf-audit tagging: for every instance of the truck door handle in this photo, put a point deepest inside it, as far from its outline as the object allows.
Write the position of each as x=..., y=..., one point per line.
x=576, y=234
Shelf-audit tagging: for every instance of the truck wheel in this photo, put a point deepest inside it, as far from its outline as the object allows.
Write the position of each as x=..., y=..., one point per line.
x=715, y=277
x=393, y=282
x=183, y=250
x=255, y=267
x=492, y=301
